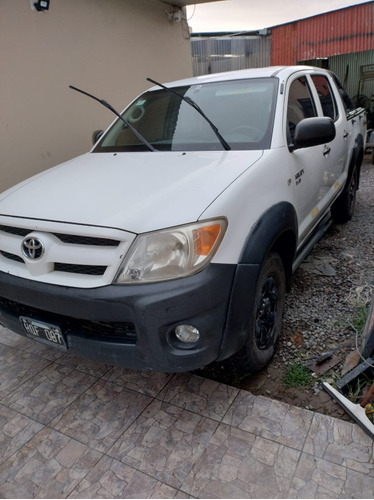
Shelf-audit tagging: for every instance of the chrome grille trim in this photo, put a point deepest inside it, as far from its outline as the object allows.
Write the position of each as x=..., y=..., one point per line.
x=65, y=238
x=75, y=255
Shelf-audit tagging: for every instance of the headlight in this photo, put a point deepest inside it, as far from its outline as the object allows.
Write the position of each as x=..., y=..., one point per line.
x=171, y=253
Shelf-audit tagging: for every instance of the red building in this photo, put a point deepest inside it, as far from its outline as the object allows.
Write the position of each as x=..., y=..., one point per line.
x=343, y=31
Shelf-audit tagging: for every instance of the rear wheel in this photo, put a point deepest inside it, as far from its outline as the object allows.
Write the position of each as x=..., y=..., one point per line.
x=343, y=208
x=265, y=317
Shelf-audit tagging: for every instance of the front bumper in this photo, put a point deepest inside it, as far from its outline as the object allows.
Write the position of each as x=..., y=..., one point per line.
x=133, y=325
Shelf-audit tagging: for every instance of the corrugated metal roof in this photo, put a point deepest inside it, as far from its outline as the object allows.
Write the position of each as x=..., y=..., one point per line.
x=339, y=32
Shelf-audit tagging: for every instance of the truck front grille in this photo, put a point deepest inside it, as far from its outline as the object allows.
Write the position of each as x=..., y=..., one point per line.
x=65, y=238
x=12, y=256
x=73, y=255
x=82, y=269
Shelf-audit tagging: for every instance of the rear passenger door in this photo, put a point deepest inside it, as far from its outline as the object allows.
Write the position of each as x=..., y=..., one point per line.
x=337, y=151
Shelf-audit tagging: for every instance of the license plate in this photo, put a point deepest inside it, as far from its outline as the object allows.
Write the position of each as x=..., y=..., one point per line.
x=44, y=332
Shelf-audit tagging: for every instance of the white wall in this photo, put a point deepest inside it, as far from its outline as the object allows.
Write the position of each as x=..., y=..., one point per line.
x=107, y=47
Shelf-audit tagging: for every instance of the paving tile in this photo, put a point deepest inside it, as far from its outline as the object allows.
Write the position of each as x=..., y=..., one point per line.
x=113, y=479
x=28, y=345
x=270, y=419
x=319, y=478
x=31, y=346
x=165, y=436
x=181, y=494
x=150, y=383
x=15, y=431
x=91, y=367
x=17, y=367
x=100, y=415
x=50, y=465
x=48, y=393
x=203, y=396
x=238, y=464
x=341, y=442
x=358, y=485
x=316, y=477
x=164, y=442
x=12, y=339
x=42, y=350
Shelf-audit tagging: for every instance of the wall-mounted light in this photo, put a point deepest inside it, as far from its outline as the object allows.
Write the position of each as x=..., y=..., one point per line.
x=176, y=14
x=40, y=5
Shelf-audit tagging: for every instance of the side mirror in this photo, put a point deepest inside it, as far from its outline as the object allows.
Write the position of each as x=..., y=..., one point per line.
x=312, y=132
x=96, y=136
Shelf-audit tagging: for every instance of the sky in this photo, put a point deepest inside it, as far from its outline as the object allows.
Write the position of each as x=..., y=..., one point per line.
x=247, y=15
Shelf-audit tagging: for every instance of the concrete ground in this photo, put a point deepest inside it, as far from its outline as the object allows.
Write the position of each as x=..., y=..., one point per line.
x=71, y=428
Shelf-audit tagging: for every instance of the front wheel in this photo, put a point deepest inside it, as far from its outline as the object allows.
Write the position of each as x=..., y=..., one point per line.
x=266, y=313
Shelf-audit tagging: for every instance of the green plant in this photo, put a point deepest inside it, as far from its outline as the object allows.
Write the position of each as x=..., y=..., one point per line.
x=356, y=321
x=359, y=319
x=297, y=375
x=358, y=387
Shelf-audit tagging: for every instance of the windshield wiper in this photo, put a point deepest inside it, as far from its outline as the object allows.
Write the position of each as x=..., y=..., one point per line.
x=107, y=105
x=192, y=103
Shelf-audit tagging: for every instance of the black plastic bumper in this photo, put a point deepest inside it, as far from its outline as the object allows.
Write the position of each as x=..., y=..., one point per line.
x=141, y=318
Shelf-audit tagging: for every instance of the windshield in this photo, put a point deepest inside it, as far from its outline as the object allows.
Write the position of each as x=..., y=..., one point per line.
x=242, y=110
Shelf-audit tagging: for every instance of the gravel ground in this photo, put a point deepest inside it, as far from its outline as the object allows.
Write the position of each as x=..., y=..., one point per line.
x=328, y=289
x=332, y=284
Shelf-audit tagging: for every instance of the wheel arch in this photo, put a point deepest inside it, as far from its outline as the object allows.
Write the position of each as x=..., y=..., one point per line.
x=276, y=230
x=356, y=160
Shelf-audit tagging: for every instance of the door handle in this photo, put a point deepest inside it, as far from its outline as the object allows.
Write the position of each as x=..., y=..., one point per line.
x=326, y=150
x=345, y=135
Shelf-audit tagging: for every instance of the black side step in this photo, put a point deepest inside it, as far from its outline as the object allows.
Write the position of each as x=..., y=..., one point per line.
x=312, y=241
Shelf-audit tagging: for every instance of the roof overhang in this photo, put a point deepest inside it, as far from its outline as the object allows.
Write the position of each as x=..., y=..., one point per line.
x=183, y=3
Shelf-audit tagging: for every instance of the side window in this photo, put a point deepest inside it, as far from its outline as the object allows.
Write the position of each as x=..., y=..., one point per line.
x=300, y=105
x=347, y=101
x=325, y=96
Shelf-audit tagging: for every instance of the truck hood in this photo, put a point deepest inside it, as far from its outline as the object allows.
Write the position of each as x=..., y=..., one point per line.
x=136, y=192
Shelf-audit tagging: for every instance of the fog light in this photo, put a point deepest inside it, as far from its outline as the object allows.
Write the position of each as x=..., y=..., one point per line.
x=187, y=334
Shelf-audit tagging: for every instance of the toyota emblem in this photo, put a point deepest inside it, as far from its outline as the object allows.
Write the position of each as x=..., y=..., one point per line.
x=32, y=248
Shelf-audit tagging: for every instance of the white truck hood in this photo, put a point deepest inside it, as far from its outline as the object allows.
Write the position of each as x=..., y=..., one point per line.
x=136, y=192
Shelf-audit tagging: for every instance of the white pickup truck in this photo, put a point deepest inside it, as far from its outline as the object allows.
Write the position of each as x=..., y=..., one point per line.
x=172, y=243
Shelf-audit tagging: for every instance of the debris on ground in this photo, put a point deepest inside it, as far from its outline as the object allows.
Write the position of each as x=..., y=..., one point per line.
x=358, y=384
x=324, y=363
x=356, y=411
x=321, y=311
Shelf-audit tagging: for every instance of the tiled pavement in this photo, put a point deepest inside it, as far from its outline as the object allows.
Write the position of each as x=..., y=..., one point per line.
x=71, y=428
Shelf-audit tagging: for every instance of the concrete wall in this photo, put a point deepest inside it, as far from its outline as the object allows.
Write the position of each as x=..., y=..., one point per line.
x=107, y=47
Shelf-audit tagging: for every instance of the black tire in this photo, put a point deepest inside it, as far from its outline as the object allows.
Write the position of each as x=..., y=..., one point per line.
x=266, y=316
x=343, y=208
